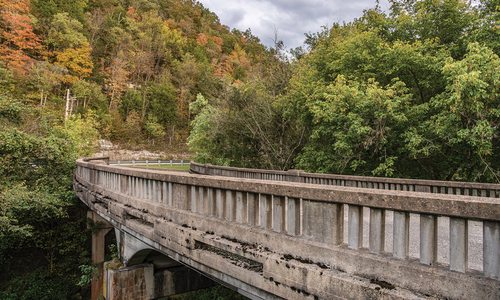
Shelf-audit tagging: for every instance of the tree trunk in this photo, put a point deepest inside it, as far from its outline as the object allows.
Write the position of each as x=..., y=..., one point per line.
x=66, y=111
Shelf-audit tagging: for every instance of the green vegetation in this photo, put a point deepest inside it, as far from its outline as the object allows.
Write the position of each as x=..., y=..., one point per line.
x=412, y=92
x=72, y=72
x=41, y=223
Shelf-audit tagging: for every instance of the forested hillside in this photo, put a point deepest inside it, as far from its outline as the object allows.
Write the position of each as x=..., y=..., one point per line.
x=408, y=92
x=132, y=66
x=74, y=71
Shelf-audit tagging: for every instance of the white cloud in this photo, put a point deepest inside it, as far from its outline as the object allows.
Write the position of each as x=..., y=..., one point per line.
x=290, y=18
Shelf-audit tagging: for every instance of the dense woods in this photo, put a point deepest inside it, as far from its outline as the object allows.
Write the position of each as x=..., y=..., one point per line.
x=72, y=72
x=408, y=92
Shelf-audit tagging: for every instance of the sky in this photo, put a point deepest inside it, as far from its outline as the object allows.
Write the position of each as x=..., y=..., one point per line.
x=289, y=18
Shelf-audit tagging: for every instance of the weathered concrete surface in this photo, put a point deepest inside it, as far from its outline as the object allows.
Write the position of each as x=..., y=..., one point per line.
x=469, y=207
x=419, y=185
x=475, y=238
x=135, y=282
x=179, y=280
x=99, y=230
x=266, y=264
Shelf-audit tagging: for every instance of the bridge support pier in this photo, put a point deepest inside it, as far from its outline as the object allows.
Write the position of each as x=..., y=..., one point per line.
x=99, y=230
x=143, y=282
x=179, y=280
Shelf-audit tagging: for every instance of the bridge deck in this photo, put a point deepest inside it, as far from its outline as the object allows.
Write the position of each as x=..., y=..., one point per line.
x=306, y=239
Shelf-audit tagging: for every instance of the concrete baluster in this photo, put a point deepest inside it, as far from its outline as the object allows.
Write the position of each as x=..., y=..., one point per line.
x=355, y=227
x=293, y=211
x=164, y=192
x=252, y=209
x=241, y=208
x=491, y=249
x=136, y=187
x=210, y=202
x=265, y=211
x=202, y=197
x=229, y=201
x=140, y=188
x=142, y=183
x=278, y=213
x=170, y=199
x=131, y=189
x=193, y=197
x=458, y=244
x=153, y=191
x=159, y=190
x=377, y=230
x=401, y=234
x=428, y=239
x=219, y=204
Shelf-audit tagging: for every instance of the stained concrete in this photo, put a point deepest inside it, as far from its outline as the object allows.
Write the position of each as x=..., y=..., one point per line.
x=323, y=270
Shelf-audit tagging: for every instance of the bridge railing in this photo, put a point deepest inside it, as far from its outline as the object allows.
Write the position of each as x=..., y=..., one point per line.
x=132, y=162
x=314, y=215
x=397, y=184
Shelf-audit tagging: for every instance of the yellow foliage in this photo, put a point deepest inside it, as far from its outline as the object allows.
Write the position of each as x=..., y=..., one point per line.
x=77, y=61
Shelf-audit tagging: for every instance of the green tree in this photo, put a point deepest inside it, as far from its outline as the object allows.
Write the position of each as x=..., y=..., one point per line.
x=463, y=131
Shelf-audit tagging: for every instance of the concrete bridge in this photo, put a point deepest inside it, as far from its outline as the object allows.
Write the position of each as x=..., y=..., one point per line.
x=291, y=235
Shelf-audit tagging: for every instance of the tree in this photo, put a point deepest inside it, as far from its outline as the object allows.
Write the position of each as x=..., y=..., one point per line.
x=18, y=42
x=71, y=50
x=361, y=123
x=45, y=77
x=117, y=78
x=464, y=126
x=77, y=61
x=154, y=130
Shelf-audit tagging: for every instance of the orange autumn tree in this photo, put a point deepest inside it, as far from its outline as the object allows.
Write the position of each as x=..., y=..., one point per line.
x=18, y=42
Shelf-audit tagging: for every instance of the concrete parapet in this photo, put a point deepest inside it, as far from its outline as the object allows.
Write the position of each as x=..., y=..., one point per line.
x=286, y=239
x=402, y=184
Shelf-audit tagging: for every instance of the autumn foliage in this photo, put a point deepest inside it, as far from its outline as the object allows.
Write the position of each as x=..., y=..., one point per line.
x=18, y=43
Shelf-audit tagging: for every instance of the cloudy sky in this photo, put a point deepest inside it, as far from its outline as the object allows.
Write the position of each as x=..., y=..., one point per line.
x=291, y=18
